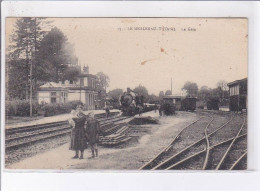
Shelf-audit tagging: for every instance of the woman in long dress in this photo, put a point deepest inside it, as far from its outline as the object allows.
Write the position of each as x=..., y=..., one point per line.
x=78, y=139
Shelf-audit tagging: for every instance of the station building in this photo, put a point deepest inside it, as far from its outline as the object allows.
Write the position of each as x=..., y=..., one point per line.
x=83, y=89
x=238, y=95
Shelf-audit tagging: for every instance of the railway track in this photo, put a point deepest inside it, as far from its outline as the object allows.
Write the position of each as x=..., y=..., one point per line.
x=18, y=137
x=199, y=153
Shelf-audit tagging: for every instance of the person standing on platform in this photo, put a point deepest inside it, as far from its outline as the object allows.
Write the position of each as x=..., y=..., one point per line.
x=107, y=111
x=140, y=110
x=78, y=140
x=92, y=129
x=160, y=109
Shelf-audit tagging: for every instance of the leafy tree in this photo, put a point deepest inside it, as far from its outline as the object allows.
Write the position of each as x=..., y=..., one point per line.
x=191, y=88
x=22, y=52
x=223, y=85
x=161, y=95
x=16, y=82
x=114, y=96
x=141, y=90
x=71, y=73
x=223, y=90
x=55, y=53
x=204, y=93
x=101, y=85
x=153, y=98
x=168, y=92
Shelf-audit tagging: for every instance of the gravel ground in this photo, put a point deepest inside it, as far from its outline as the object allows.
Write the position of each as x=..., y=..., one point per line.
x=16, y=155
x=144, y=147
x=195, y=132
x=229, y=131
x=236, y=151
x=195, y=163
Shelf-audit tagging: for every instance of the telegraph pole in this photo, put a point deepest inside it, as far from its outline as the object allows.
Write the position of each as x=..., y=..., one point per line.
x=31, y=68
x=105, y=92
x=31, y=90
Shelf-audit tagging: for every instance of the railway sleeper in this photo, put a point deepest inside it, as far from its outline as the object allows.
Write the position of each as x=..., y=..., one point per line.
x=116, y=142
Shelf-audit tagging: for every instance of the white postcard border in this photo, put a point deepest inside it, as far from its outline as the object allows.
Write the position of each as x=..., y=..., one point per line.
x=136, y=180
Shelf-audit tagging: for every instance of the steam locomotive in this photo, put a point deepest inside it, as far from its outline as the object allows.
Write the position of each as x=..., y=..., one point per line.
x=131, y=103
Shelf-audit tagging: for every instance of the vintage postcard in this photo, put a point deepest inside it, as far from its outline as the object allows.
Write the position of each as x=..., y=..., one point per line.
x=126, y=93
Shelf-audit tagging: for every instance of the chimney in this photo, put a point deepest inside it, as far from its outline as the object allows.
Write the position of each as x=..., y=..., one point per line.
x=85, y=69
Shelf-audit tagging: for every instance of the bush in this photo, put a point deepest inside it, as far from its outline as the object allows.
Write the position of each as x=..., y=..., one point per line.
x=20, y=108
x=75, y=103
x=59, y=108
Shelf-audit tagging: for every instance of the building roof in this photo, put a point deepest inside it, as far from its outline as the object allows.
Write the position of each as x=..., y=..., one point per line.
x=237, y=82
x=172, y=97
x=87, y=75
x=50, y=85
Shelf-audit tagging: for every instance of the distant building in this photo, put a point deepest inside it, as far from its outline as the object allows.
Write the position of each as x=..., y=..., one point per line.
x=238, y=95
x=176, y=100
x=83, y=89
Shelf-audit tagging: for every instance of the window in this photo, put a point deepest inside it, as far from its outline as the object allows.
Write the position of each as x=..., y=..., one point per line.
x=64, y=96
x=234, y=90
x=89, y=82
x=71, y=81
x=53, y=97
x=81, y=82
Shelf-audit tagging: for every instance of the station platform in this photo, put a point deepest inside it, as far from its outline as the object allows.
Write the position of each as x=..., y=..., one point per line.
x=56, y=118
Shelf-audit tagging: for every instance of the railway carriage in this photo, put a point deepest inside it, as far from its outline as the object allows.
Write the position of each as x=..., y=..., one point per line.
x=238, y=95
x=181, y=103
x=188, y=104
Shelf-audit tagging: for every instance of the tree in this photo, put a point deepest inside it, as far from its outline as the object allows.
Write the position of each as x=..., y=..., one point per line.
x=24, y=46
x=55, y=54
x=102, y=83
x=114, y=96
x=161, y=95
x=17, y=85
x=141, y=90
x=191, y=88
x=153, y=98
x=71, y=73
x=204, y=93
x=168, y=92
x=223, y=85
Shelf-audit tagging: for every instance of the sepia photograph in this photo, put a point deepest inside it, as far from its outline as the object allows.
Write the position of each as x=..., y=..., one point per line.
x=127, y=93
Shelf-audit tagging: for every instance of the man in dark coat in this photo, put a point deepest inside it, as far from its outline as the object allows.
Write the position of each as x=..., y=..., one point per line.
x=92, y=129
x=107, y=111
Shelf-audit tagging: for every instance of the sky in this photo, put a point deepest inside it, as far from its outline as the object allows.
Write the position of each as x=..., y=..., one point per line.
x=132, y=55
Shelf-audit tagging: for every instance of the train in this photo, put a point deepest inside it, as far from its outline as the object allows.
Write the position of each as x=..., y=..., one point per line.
x=188, y=104
x=131, y=103
x=181, y=103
